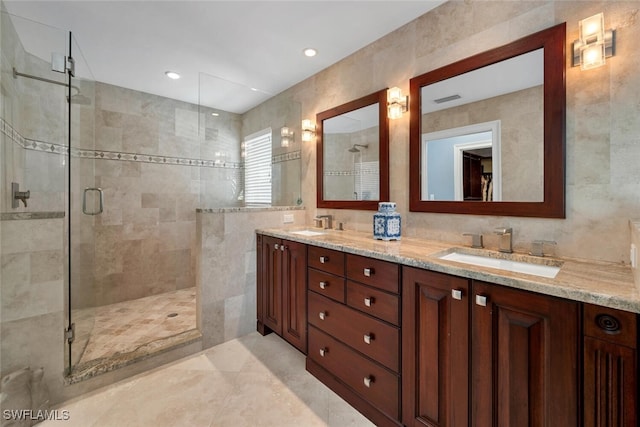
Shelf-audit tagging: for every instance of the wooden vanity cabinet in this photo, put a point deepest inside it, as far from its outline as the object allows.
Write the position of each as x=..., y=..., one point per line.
x=354, y=333
x=281, y=293
x=480, y=354
x=610, y=367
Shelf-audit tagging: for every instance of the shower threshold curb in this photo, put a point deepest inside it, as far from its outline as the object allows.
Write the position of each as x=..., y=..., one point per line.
x=103, y=365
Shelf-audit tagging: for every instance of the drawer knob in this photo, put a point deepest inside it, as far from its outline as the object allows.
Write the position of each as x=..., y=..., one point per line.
x=481, y=300
x=324, y=259
x=368, y=338
x=323, y=285
x=322, y=315
x=368, y=381
x=276, y=246
x=283, y=247
x=456, y=294
x=323, y=351
x=609, y=324
x=368, y=301
x=369, y=272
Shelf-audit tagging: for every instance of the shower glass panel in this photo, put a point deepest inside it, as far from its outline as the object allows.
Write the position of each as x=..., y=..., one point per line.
x=222, y=133
x=33, y=154
x=85, y=205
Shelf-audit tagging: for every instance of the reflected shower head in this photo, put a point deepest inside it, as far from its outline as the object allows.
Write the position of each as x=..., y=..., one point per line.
x=354, y=149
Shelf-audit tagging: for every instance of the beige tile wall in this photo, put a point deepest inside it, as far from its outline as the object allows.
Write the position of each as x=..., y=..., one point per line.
x=226, y=269
x=603, y=120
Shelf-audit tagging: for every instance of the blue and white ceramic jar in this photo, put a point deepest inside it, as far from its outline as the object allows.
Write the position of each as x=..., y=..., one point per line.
x=386, y=222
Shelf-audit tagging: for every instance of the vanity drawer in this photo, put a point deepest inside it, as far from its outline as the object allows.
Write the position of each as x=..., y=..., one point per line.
x=326, y=284
x=373, y=272
x=326, y=260
x=366, y=334
x=375, y=302
x=354, y=370
x=611, y=325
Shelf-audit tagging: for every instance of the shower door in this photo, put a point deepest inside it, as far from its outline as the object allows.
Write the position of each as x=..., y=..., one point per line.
x=85, y=205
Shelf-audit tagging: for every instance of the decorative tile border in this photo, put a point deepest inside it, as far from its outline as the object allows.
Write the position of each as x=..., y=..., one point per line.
x=32, y=144
x=293, y=155
x=370, y=171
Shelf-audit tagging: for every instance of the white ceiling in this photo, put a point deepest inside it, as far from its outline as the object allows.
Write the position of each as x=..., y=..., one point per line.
x=222, y=49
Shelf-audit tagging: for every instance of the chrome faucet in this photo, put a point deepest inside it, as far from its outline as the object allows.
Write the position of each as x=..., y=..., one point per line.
x=537, y=247
x=476, y=240
x=19, y=195
x=325, y=224
x=505, y=234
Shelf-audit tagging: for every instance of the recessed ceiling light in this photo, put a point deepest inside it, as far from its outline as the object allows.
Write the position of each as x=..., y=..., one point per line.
x=310, y=52
x=215, y=114
x=172, y=75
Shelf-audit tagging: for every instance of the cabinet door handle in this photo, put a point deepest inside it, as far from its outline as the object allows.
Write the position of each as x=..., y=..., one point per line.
x=324, y=259
x=368, y=301
x=369, y=271
x=481, y=300
x=323, y=351
x=282, y=247
x=368, y=381
x=456, y=294
x=276, y=246
x=323, y=285
x=368, y=338
x=322, y=315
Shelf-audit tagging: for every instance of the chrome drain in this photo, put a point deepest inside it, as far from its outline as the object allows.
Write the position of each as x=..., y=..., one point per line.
x=172, y=314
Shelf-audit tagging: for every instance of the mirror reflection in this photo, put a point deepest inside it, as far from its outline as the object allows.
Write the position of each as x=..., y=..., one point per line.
x=353, y=154
x=351, y=151
x=482, y=133
x=487, y=132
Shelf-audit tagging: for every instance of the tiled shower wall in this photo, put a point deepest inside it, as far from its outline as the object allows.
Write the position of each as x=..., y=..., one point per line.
x=148, y=155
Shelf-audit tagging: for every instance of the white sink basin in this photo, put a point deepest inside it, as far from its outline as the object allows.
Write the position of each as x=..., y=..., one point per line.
x=308, y=233
x=541, y=270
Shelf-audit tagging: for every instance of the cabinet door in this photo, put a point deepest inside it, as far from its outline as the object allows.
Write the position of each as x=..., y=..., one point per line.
x=435, y=348
x=524, y=357
x=271, y=278
x=610, y=367
x=610, y=384
x=294, y=295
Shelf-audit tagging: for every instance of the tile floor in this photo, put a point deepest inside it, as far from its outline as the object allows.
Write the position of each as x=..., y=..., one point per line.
x=123, y=327
x=249, y=381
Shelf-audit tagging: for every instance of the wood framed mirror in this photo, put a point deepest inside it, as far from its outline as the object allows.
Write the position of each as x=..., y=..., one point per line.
x=487, y=133
x=352, y=150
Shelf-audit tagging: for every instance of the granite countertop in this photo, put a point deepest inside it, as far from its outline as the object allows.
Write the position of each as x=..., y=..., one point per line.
x=602, y=283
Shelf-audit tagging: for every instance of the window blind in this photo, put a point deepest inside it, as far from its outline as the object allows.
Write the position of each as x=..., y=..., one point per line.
x=257, y=168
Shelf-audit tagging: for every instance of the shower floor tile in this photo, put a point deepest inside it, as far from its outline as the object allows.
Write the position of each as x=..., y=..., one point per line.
x=125, y=326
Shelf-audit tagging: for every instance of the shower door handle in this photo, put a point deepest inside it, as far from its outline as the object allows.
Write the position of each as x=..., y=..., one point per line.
x=84, y=201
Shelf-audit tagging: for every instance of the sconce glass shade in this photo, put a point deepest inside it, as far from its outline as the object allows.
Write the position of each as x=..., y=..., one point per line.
x=395, y=111
x=394, y=95
x=308, y=130
x=591, y=29
x=592, y=56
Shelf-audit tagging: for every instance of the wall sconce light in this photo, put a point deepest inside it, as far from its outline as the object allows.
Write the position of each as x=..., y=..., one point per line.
x=595, y=43
x=308, y=130
x=286, y=136
x=396, y=103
